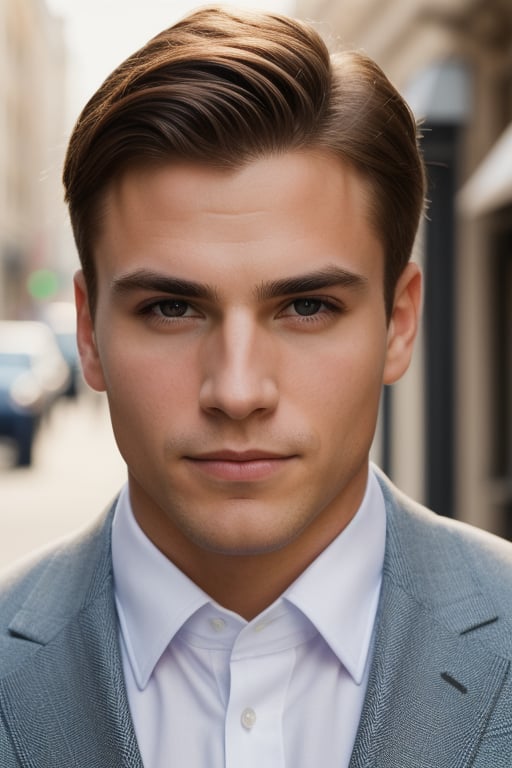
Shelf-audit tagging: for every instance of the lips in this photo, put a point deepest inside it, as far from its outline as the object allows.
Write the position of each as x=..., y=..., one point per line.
x=240, y=466
x=241, y=456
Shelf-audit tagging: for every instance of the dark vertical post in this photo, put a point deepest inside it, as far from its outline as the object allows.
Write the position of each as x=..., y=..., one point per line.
x=386, y=406
x=440, y=149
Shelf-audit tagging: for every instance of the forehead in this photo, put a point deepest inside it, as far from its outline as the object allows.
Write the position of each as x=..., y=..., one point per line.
x=277, y=209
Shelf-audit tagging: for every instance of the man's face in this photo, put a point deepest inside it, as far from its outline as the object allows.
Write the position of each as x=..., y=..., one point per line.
x=240, y=334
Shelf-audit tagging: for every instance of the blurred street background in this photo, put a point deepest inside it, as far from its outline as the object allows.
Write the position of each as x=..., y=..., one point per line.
x=445, y=430
x=76, y=471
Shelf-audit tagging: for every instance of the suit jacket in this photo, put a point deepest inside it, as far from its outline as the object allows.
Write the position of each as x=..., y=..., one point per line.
x=440, y=688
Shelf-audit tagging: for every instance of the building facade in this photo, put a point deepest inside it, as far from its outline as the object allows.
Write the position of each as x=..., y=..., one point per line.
x=32, y=134
x=445, y=432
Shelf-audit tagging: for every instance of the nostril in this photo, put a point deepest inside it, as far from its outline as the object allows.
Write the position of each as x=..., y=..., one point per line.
x=238, y=402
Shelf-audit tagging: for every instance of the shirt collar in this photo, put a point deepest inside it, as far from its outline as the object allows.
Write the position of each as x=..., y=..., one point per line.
x=155, y=599
x=339, y=591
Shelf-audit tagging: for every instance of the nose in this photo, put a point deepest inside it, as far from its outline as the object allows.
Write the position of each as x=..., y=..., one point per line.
x=239, y=376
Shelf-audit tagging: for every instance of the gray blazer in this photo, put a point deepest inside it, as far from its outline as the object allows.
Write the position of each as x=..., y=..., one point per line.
x=440, y=689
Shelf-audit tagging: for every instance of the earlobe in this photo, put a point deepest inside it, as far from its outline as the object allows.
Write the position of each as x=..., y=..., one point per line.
x=91, y=364
x=403, y=325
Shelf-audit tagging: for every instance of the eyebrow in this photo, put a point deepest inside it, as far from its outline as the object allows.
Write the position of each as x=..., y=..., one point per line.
x=328, y=277
x=147, y=280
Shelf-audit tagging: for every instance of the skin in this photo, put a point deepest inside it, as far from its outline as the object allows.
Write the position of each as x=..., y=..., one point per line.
x=243, y=403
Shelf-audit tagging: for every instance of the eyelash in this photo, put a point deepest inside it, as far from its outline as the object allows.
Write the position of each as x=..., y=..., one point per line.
x=327, y=309
x=151, y=313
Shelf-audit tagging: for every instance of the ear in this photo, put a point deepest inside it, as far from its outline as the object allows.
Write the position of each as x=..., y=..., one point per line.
x=403, y=325
x=86, y=339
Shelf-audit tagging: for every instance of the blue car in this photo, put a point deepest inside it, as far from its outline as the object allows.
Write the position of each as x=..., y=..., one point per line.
x=21, y=403
x=33, y=374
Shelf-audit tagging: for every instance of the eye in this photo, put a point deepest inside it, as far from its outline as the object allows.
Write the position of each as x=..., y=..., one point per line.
x=171, y=308
x=165, y=311
x=307, y=307
x=309, y=311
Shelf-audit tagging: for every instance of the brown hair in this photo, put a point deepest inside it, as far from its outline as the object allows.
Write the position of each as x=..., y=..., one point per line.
x=224, y=88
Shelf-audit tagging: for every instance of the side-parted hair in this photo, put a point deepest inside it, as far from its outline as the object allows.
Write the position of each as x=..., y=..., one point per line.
x=224, y=88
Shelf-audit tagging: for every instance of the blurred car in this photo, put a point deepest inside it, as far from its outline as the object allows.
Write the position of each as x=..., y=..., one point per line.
x=61, y=318
x=33, y=373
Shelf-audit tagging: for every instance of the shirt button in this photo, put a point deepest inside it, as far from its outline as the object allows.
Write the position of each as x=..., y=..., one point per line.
x=218, y=625
x=248, y=718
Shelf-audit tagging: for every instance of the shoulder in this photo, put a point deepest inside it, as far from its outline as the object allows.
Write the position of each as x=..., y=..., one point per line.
x=40, y=593
x=443, y=539
x=459, y=571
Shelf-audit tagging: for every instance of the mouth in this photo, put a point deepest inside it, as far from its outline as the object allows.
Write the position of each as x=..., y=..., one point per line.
x=240, y=466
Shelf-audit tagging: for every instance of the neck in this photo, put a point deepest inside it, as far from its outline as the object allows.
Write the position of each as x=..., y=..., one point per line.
x=246, y=583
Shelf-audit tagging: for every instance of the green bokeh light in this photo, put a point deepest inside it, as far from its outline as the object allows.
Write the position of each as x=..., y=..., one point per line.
x=42, y=284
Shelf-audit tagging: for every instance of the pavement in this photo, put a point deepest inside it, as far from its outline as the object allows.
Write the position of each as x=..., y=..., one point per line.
x=77, y=470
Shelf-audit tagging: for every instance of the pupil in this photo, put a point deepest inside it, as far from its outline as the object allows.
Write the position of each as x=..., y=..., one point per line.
x=173, y=308
x=307, y=306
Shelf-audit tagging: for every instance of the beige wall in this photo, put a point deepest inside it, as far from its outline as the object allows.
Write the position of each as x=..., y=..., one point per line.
x=32, y=104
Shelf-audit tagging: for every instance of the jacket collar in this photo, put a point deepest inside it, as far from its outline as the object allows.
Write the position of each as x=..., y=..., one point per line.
x=73, y=577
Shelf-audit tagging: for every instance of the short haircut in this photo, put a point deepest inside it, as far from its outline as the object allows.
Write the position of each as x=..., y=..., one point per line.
x=224, y=88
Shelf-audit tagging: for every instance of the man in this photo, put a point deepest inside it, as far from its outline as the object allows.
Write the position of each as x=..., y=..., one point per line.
x=244, y=207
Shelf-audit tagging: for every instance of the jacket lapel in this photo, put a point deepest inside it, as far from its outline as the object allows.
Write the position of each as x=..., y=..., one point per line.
x=49, y=724
x=430, y=692
x=432, y=684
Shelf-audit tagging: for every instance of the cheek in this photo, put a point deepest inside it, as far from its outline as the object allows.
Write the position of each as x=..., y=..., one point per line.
x=344, y=389
x=147, y=392
x=347, y=371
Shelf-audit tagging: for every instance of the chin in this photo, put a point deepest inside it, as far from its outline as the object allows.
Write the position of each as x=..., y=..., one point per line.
x=243, y=545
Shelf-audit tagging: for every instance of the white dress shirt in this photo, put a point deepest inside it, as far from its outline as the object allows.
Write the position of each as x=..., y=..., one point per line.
x=207, y=689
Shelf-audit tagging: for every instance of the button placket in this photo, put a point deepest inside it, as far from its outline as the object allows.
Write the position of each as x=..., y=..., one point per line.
x=254, y=717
